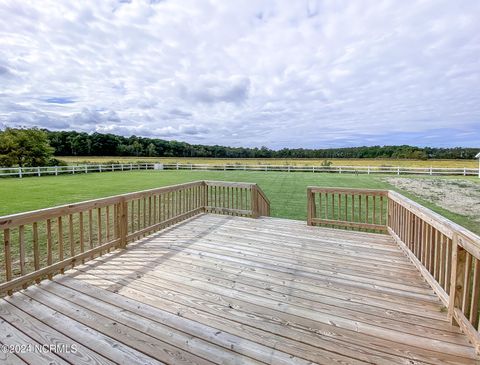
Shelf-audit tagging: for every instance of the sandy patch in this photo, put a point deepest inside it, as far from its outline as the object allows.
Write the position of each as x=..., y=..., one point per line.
x=456, y=195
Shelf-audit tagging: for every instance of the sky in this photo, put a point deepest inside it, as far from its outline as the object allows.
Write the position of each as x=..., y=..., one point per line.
x=292, y=73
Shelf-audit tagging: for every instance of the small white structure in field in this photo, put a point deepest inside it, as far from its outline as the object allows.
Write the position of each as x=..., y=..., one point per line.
x=478, y=156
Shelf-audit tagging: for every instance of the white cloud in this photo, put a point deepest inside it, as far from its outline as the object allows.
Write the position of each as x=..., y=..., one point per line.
x=276, y=73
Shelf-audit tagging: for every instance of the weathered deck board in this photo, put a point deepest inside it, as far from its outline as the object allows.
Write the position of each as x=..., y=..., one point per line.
x=224, y=290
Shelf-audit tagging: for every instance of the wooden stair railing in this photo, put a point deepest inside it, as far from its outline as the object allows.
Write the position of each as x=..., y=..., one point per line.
x=447, y=254
x=42, y=243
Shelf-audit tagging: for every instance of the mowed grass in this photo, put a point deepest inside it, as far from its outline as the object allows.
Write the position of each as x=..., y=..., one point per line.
x=286, y=191
x=277, y=161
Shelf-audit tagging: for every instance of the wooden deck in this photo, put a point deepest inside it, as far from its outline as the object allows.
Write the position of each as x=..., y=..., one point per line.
x=232, y=290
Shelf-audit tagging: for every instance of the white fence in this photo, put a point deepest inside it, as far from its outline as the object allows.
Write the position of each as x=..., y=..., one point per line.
x=80, y=169
x=58, y=170
x=331, y=169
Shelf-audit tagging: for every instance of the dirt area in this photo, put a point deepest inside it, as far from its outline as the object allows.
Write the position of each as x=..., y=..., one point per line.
x=456, y=195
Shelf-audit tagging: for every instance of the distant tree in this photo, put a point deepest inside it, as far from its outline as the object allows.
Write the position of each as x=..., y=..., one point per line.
x=24, y=147
x=137, y=148
x=151, y=150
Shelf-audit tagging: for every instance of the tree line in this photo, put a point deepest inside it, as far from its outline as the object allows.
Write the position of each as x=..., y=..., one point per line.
x=37, y=147
x=71, y=143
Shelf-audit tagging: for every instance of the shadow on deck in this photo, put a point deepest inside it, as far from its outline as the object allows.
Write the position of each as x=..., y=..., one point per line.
x=234, y=290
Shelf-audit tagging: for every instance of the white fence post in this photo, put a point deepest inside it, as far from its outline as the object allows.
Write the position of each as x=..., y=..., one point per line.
x=73, y=170
x=100, y=168
x=56, y=170
x=20, y=172
x=464, y=171
x=38, y=171
x=131, y=167
x=431, y=172
x=368, y=170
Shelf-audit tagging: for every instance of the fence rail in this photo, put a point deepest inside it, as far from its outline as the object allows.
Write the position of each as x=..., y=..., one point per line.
x=80, y=169
x=397, y=170
x=41, y=243
x=447, y=254
x=77, y=169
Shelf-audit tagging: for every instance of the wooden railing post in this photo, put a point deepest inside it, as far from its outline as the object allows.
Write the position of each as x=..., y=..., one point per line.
x=254, y=201
x=204, y=196
x=311, y=208
x=457, y=278
x=122, y=222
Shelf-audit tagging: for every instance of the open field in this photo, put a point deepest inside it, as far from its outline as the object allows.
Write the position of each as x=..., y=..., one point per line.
x=458, y=196
x=274, y=161
x=287, y=191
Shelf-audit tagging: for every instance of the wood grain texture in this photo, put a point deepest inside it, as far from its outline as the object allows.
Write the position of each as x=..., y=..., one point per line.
x=112, y=221
x=223, y=289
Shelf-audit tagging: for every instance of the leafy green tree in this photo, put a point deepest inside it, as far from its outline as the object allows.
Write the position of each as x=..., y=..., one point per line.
x=24, y=147
x=151, y=150
x=137, y=148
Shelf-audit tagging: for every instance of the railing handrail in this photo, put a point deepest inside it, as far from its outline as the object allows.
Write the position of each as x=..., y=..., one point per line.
x=228, y=183
x=315, y=189
x=444, y=225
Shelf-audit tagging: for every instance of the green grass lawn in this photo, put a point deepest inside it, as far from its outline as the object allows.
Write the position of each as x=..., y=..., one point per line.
x=286, y=191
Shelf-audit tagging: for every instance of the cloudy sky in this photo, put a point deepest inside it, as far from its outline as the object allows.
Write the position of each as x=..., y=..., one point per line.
x=287, y=73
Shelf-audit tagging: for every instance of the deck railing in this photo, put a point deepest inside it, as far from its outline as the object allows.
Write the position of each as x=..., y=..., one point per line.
x=41, y=243
x=447, y=255
x=344, y=207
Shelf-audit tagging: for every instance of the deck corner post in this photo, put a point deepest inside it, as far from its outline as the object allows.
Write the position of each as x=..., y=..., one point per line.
x=457, y=278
